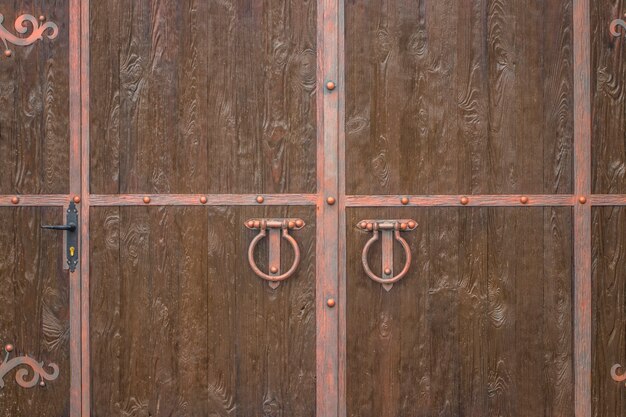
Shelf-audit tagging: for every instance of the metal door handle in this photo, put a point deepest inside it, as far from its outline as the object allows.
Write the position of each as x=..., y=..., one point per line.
x=278, y=229
x=390, y=230
x=71, y=227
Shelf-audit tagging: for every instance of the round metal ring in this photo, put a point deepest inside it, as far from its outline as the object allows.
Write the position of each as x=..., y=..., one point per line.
x=407, y=252
x=267, y=277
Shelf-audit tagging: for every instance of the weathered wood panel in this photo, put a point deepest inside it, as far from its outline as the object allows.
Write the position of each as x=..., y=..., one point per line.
x=34, y=105
x=609, y=309
x=34, y=308
x=481, y=326
x=447, y=97
x=609, y=103
x=180, y=325
x=222, y=91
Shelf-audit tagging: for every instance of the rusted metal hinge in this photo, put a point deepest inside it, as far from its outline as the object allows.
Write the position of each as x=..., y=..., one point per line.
x=22, y=23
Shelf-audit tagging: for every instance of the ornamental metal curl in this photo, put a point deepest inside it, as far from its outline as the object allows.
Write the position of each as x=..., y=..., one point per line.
x=22, y=25
x=21, y=376
x=615, y=24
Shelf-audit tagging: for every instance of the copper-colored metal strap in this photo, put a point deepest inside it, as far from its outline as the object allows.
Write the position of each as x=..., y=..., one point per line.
x=278, y=228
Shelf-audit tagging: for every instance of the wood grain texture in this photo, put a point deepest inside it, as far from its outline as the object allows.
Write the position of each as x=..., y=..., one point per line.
x=34, y=98
x=608, y=75
x=449, y=98
x=481, y=326
x=180, y=325
x=222, y=91
x=609, y=311
x=34, y=308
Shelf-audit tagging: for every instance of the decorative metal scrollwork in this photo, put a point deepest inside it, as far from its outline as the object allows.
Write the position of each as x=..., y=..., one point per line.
x=615, y=24
x=390, y=230
x=39, y=374
x=617, y=377
x=22, y=24
x=278, y=230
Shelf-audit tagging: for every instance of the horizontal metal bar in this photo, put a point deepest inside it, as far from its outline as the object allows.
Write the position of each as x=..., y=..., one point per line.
x=203, y=200
x=608, y=199
x=461, y=200
x=34, y=200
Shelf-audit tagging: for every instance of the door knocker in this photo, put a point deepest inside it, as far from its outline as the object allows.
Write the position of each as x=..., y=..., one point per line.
x=390, y=230
x=278, y=230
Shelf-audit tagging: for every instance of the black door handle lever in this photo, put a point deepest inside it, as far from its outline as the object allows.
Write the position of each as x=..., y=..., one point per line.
x=71, y=227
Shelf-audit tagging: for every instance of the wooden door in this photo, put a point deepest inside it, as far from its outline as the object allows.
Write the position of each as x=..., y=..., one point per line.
x=336, y=208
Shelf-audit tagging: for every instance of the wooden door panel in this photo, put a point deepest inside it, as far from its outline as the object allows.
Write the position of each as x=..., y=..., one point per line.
x=203, y=97
x=34, y=310
x=34, y=98
x=609, y=312
x=180, y=325
x=482, y=325
x=445, y=97
x=609, y=104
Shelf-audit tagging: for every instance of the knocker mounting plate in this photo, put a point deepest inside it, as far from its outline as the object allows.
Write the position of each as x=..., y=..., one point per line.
x=277, y=229
x=24, y=362
x=390, y=230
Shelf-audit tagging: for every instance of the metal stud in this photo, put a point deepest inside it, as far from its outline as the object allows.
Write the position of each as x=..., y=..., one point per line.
x=404, y=201
x=299, y=223
x=8, y=53
x=76, y=199
x=387, y=271
x=403, y=226
x=42, y=18
x=330, y=302
x=464, y=201
x=412, y=224
x=291, y=224
x=9, y=348
x=260, y=199
x=15, y=200
x=42, y=383
x=524, y=200
x=203, y=200
x=146, y=200
x=330, y=85
x=330, y=201
x=274, y=270
x=582, y=199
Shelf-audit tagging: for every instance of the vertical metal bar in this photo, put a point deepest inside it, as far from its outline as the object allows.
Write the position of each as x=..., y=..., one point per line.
x=75, y=189
x=84, y=211
x=582, y=211
x=327, y=246
x=387, y=258
x=274, y=255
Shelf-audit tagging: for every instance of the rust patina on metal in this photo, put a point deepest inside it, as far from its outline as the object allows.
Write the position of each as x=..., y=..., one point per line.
x=39, y=374
x=22, y=24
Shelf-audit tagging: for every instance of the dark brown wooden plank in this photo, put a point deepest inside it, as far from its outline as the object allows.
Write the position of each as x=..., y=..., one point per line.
x=609, y=310
x=34, y=98
x=34, y=308
x=608, y=75
x=447, y=98
x=481, y=326
x=203, y=97
x=180, y=324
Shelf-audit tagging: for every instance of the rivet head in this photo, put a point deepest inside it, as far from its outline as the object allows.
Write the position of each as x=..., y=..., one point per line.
x=291, y=224
x=369, y=227
x=8, y=53
x=582, y=199
x=464, y=201
x=203, y=200
x=76, y=199
x=524, y=200
x=404, y=201
x=387, y=271
x=9, y=348
x=403, y=226
x=146, y=200
x=250, y=223
x=42, y=18
x=330, y=85
x=363, y=225
x=273, y=270
x=15, y=200
x=412, y=224
x=42, y=383
x=330, y=302
x=330, y=201
x=260, y=199
x=299, y=223
x=257, y=224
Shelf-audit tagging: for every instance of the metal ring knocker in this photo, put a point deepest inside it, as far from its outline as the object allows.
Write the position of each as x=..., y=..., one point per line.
x=390, y=230
x=278, y=229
